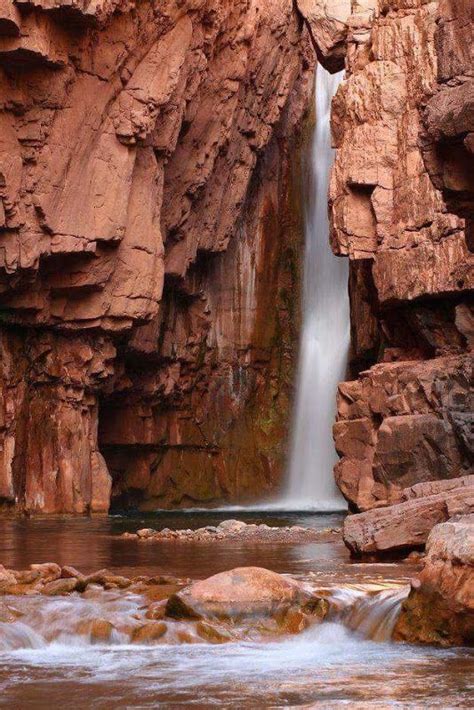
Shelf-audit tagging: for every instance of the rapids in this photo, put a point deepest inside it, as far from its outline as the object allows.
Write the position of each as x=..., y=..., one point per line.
x=347, y=659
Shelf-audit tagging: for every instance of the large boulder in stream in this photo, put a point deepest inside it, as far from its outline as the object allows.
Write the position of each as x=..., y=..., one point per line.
x=440, y=606
x=242, y=593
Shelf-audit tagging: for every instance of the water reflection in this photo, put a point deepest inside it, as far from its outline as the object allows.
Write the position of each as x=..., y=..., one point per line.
x=93, y=543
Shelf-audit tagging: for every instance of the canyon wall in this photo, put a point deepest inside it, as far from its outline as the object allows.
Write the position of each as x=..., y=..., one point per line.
x=151, y=237
x=401, y=210
x=150, y=234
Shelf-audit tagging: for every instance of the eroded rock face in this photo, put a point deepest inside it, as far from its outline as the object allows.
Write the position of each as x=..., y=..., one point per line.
x=408, y=93
x=407, y=524
x=50, y=460
x=440, y=607
x=449, y=113
x=331, y=21
x=148, y=259
x=404, y=423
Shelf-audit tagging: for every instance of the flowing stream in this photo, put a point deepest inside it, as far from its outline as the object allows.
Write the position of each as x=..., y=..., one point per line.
x=325, y=331
x=48, y=658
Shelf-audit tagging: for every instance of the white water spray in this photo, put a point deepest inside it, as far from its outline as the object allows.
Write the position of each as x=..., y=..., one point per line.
x=325, y=332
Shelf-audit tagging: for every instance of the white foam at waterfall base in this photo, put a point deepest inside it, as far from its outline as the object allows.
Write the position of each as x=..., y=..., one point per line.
x=325, y=333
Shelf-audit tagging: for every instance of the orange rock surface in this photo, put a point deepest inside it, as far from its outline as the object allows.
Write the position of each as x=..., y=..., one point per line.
x=401, y=209
x=440, y=607
x=149, y=255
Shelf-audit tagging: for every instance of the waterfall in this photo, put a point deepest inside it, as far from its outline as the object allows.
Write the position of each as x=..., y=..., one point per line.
x=325, y=331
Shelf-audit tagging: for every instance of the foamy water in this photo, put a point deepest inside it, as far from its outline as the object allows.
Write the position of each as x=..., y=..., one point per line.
x=334, y=664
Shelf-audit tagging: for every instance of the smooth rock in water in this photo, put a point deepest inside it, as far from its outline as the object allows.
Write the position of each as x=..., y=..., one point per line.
x=49, y=571
x=295, y=621
x=99, y=630
x=212, y=632
x=440, y=607
x=240, y=593
x=156, y=610
x=152, y=631
x=59, y=587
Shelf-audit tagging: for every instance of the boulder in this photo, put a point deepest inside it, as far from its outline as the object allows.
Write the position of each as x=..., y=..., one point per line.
x=7, y=579
x=241, y=593
x=232, y=526
x=440, y=606
x=156, y=610
x=106, y=579
x=59, y=587
x=27, y=576
x=48, y=571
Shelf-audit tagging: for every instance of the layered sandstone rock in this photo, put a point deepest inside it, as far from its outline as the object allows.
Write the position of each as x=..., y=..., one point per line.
x=50, y=460
x=402, y=423
x=440, y=607
x=149, y=242
x=449, y=113
x=407, y=525
x=408, y=418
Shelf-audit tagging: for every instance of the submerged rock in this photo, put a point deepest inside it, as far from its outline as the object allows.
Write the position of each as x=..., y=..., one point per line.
x=440, y=606
x=98, y=630
x=156, y=611
x=214, y=633
x=241, y=593
x=8, y=614
x=149, y=632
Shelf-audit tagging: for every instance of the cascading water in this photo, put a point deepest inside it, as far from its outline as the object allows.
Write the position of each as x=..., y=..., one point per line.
x=325, y=332
x=81, y=651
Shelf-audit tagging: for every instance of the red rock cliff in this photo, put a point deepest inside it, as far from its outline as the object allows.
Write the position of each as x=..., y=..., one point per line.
x=150, y=235
x=401, y=202
x=150, y=232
